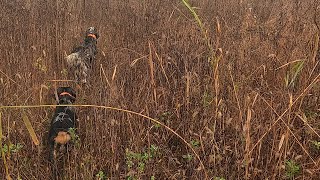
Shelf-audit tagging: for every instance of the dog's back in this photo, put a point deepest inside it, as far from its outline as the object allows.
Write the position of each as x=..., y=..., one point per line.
x=81, y=59
x=63, y=119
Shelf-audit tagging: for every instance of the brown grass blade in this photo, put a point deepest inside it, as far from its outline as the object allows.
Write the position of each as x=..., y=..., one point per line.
x=316, y=48
x=151, y=66
x=60, y=80
x=188, y=79
x=153, y=82
x=281, y=142
x=30, y=128
x=114, y=73
x=246, y=134
x=104, y=74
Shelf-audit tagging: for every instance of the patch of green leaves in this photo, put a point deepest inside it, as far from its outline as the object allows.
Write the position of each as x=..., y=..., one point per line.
x=207, y=99
x=75, y=139
x=163, y=117
x=40, y=65
x=293, y=74
x=12, y=148
x=137, y=162
x=187, y=157
x=291, y=169
x=131, y=178
x=153, y=150
x=195, y=143
x=218, y=178
x=64, y=72
x=101, y=176
x=311, y=114
x=316, y=144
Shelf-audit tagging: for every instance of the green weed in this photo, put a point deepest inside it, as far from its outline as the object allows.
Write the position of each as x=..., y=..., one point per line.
x=137, y=162
x=207, y=99
x=39, y=64
x=101, y=176
x=195, y=143
x=12, y=148
x=291, y=168
x=293, y=74
x=311, y=114
x=164, y=117
x=201, y=25
x=212, y=58
x=130, y=178
x=75, y=139
x=316, y=144
x=187, y=157
x=64, y=72
x=219, y=178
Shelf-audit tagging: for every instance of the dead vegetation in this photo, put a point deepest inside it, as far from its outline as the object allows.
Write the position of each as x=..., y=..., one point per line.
x=248, y=106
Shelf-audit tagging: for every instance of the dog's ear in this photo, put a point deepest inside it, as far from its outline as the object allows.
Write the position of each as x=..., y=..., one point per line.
x=60, y=90
x=72, y=92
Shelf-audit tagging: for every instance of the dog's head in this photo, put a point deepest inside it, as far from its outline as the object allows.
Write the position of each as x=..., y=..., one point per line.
x=66, y=95
x=92, y=31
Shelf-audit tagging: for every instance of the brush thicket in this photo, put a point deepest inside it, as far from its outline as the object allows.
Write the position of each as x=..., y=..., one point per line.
x=238, y=80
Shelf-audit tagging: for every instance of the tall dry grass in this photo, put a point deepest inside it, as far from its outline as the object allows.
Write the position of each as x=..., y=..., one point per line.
x=242, y=115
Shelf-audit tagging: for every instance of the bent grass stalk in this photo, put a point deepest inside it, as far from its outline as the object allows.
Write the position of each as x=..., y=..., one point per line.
x=196, y=17
x=126, y=111
x=314, y=81
x=30, y=128
x=201, y=25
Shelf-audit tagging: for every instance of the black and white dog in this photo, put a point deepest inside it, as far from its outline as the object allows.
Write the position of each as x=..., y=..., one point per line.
x=81, y=59
x=63, y=119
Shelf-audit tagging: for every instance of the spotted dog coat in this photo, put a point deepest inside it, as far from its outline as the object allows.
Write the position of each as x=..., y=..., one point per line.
x=63, y=119
x=81, y=59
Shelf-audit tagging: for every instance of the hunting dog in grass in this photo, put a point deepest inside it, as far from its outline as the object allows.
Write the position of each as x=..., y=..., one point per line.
x=81, y=59
x=63, y=120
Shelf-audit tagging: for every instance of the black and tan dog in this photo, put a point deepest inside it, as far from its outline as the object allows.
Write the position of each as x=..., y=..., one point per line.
x=63, y=119
x=80, y=61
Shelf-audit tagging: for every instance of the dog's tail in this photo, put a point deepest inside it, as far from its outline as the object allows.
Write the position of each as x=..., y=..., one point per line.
x=72, y=59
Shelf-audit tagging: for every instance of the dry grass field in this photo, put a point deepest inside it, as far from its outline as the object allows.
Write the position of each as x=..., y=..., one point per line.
x=234, y=86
